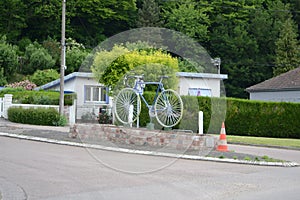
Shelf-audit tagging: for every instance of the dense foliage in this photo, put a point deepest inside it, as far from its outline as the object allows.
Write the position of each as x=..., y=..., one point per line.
x=152, y=64
x=37, y=116
x=41, y=77
x=254, y=39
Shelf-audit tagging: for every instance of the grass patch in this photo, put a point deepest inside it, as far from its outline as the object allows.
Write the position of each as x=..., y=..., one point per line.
x=247, y=158
x=268, y=159
x=282, y=142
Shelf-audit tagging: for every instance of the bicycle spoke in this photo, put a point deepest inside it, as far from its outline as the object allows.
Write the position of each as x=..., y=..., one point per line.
x=168, y=108
x=124, y=100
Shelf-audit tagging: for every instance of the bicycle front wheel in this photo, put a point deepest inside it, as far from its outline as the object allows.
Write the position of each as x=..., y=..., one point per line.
x=168, y=108
x=127, y=106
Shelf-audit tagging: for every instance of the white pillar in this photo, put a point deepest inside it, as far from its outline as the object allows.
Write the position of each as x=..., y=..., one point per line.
x=200, y=122
x=130, y=115
x=72, y=113
x=7, y=102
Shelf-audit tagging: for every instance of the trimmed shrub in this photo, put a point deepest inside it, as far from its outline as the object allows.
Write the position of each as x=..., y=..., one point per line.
x=253, y=118
x=36, y=116
x=264, y=119
x=243, y=117
x=37, y=97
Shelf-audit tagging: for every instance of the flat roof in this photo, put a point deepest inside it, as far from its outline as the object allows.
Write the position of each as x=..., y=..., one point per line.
x=66, y=78
x=202, y=75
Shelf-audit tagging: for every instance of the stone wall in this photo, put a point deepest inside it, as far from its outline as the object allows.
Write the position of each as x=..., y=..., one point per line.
x=142, y=137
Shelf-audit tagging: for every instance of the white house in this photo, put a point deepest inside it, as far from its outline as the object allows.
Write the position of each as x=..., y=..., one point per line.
x=285, y=87
x=200, y=84
x=92, y=95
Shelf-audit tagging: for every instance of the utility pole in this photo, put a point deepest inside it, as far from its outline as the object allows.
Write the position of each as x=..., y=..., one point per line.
x=63, y=57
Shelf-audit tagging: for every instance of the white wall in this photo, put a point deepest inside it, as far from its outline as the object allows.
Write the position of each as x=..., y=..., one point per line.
x=206, y=83
x=286, y=96
x=77, y=85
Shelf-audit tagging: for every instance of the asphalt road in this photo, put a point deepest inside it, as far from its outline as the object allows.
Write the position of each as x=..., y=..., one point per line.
x=35, y=170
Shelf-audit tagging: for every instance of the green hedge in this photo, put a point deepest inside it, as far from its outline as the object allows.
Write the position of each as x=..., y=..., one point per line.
x=37, y=97
x=265, y=119
x=252, y=118
x=38, y=116
x=242, y=117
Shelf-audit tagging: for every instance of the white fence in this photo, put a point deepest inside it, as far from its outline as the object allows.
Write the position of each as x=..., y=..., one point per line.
x=6, y=103
x=1, y=107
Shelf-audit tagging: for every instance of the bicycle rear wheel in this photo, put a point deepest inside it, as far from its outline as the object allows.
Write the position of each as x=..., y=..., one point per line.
x=168, y=108
x=127, y=106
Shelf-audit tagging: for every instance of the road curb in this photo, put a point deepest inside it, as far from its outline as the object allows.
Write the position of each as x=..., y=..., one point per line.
x=152, y=153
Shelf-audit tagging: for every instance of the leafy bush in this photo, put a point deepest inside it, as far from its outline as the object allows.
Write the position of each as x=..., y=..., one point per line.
x=8, y=58
x=76, y=53
x=37, y=57
x=36, y=116
x=41, y=77
x=62, y=121
x=104, y=117
x=110, y=66
x=37, y=97
x=151, y=64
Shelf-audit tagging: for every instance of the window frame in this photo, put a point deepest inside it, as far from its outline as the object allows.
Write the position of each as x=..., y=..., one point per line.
x=207, y=93
x=91, y=88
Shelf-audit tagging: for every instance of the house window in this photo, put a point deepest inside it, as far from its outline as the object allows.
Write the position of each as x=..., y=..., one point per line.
x=200, y=92
x=95, y=94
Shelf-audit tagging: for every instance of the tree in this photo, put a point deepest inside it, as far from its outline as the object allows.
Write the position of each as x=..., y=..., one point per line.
x=97, y=19
x=149, y=14
x=287, y=51
x=43, y=19
x=231, y=40
x=36, y=57
x=3, y=80
x=103, y=59
x=75, y=55
x=12, y=15
x=8, y=58
x=189, y=18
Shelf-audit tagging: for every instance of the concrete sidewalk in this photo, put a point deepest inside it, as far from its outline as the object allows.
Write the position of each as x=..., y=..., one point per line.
x=5, y=124
x=60, y=135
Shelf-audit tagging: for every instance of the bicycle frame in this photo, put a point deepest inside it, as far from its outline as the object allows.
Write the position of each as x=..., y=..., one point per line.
x=166, y=106
x=139, y=89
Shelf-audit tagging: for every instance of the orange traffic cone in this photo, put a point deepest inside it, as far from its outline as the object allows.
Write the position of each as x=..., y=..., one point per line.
x=222, y=144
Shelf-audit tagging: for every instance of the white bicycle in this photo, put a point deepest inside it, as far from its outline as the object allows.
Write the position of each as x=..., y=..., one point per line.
x=166, y=106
